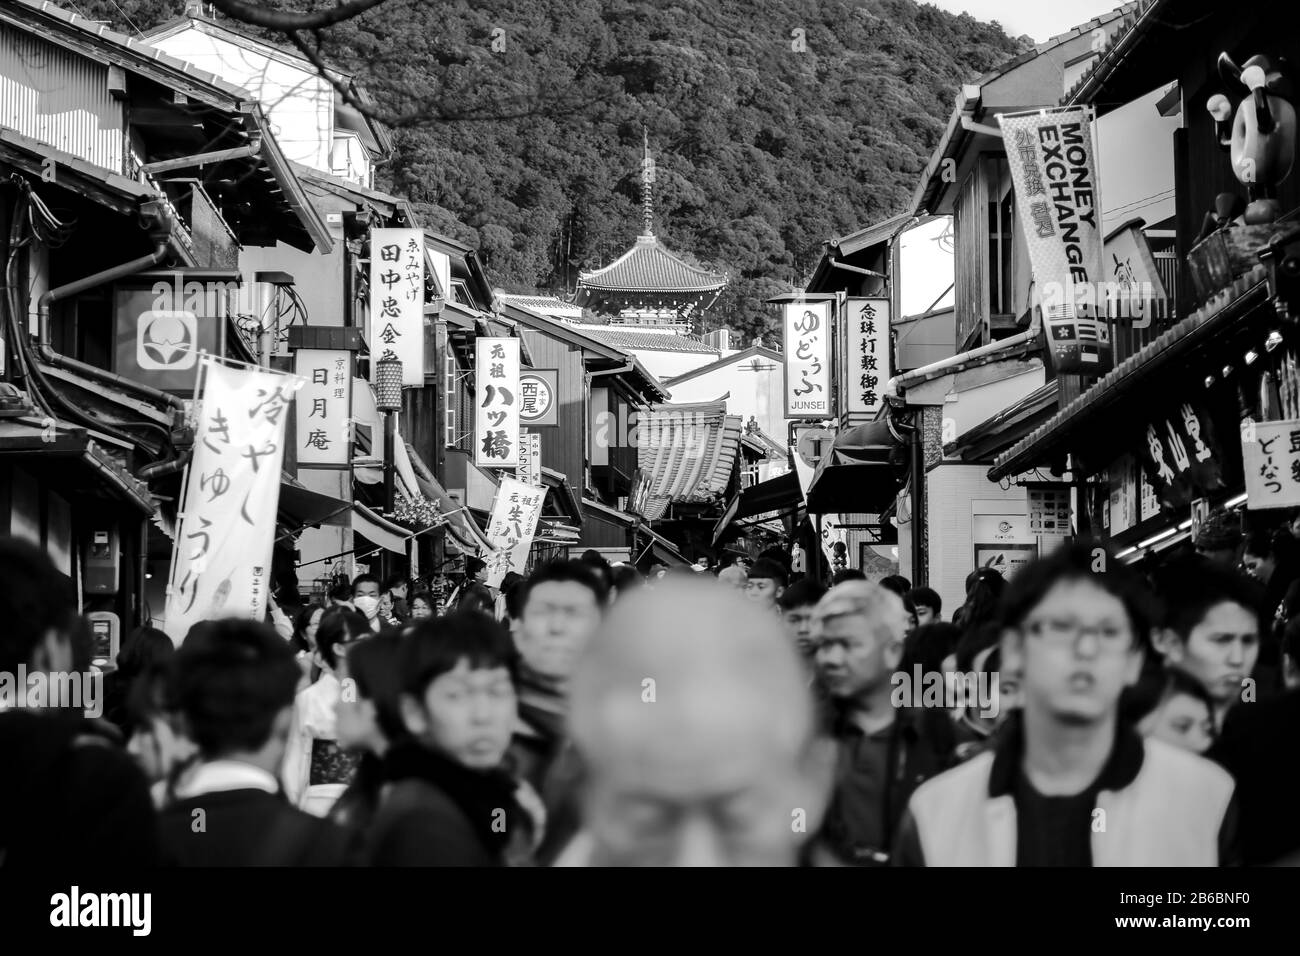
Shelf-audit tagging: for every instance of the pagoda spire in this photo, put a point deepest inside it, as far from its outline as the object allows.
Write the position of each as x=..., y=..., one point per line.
x=647, y=178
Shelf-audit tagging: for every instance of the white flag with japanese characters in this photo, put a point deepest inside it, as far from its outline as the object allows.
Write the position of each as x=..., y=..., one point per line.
x=221, y=564
x=511, y=530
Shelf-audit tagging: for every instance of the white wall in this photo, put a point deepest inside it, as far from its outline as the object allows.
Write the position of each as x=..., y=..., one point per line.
x=753, y=393
x=664, y=365
x=1135, y=150
x=950, y=490
x=300, y=103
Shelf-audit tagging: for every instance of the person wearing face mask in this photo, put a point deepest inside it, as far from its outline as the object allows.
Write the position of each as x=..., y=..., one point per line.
x=365, y=598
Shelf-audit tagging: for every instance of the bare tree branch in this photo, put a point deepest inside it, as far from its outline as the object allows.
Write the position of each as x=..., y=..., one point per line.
x=281, y=20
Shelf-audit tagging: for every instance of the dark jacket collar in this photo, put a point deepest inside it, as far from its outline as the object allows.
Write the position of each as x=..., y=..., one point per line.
x=1121, y=767
x=478, y=793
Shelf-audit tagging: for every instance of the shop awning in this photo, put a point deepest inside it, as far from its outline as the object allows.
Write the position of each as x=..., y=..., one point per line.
x=1120, y=388
x=997, y=434
x=462, y=529
x=305, y=508
x=654, y=545
x=45, y=443
x=379, y=530
x=776, y=494
x=856, y=474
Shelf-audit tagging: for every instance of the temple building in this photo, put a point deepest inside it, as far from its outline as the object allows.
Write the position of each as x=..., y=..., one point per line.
x=648, y=285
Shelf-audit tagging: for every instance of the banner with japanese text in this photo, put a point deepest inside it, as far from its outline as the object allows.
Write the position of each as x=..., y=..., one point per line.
x=807, y=352
x=496, y=405
x=1054, y=172
x=866, y=359
x=530, y=458
x=1178, y=456
x=512, y=527
x=323, y=408
x=1271, y=454
x=397, y=300
x=221, y=564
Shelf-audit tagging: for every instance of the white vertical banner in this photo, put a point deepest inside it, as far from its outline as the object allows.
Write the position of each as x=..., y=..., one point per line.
x=511, y=530
x=808, y=359
x=496, y=403
x=221, y=564
x=866, y=358
x=323, y=408
x=397, y=300
x=530, y=457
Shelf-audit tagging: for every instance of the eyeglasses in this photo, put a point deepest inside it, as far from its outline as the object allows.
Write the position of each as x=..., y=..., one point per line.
x=1064, y=632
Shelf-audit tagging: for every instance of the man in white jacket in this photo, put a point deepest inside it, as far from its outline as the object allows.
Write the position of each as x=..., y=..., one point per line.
x=316, y=771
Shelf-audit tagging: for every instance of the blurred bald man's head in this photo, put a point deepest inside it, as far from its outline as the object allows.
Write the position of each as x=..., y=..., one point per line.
x=696, y=724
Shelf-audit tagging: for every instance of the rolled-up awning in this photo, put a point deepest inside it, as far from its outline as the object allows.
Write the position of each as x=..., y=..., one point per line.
x=856, y=474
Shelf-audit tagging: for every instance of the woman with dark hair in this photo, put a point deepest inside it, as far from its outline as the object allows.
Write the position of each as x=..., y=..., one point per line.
x=305, y=625
x=368, y=722
x=984, y=589
x=422, y=606
x=145, y=648
x=446, y=800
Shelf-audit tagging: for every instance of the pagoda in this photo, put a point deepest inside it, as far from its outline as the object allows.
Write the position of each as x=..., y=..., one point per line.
x=648, y=285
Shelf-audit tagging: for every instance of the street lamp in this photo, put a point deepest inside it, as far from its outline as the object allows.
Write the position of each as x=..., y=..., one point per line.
x=388, y=400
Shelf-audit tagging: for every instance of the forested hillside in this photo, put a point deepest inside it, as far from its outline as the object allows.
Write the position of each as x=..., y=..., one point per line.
x=774, y=124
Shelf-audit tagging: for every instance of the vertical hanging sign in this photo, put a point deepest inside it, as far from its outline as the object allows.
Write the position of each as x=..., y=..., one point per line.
x=808, y=359
x=496, y=404
x=221, y=564
x=530, y=457
x=397, y=299
x=323, y=407
x=512, y=527
x=866, y=358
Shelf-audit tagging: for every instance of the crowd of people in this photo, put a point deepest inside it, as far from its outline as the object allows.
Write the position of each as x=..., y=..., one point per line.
x=1084, y=712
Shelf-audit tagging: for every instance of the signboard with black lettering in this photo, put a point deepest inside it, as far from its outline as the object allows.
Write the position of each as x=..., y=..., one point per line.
x=538, y=397
x=808, y=359
x=323, y=408
x=1271, y=453
x=866, y=358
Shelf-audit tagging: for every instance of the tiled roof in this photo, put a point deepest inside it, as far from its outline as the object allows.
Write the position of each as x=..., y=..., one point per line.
x=545, y=304
x=649, y=267
x=687, y=453
x=623, y=338
x=1172, y=346
x=872, y=235
x=1114, y=47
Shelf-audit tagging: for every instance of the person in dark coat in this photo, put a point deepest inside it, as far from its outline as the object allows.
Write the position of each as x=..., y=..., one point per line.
x=233, y=686
x=446, y=800
x=69, y=793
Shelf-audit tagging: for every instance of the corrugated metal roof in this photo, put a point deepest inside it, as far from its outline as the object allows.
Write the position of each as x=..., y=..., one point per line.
x=687, y=453
x=623, y=338
x=649, y=267
x=1253, y=285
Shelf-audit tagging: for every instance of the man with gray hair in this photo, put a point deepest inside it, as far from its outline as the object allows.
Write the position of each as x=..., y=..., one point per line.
x=884, y=752
x=693, y=718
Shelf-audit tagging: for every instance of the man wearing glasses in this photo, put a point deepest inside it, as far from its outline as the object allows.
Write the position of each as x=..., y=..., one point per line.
x=1068, y=784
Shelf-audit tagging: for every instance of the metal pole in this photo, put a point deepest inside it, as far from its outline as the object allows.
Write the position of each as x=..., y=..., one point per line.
x=817, y=550
x=390, y=469
x=919, y=559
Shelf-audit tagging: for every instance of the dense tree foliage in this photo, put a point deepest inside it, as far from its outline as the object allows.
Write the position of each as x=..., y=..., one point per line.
x=774, y=124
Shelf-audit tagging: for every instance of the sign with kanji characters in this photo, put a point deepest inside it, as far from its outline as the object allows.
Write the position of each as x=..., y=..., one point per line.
x=323, y=408
x=397, y=299
x=221, y=564
x=808, y=359
x=1054, y=172
x=496, y=403
x=1272, y=464
x=510, y=532
x=866, y=358
x=538, y=404
x=530, y=458
x=1178, y=456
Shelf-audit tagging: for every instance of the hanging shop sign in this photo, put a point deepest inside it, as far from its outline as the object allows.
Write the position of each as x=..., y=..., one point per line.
x=1003, y=543
x=530, y=458
x=1271, y=454
x=511, y=530
x=808, y=359
x=1054, y=171
x=323, y=408
x=397, y=299
x=221, y=564
x=537, y=397
x=1178, y=456
x=496, y=405
x=866, y=357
